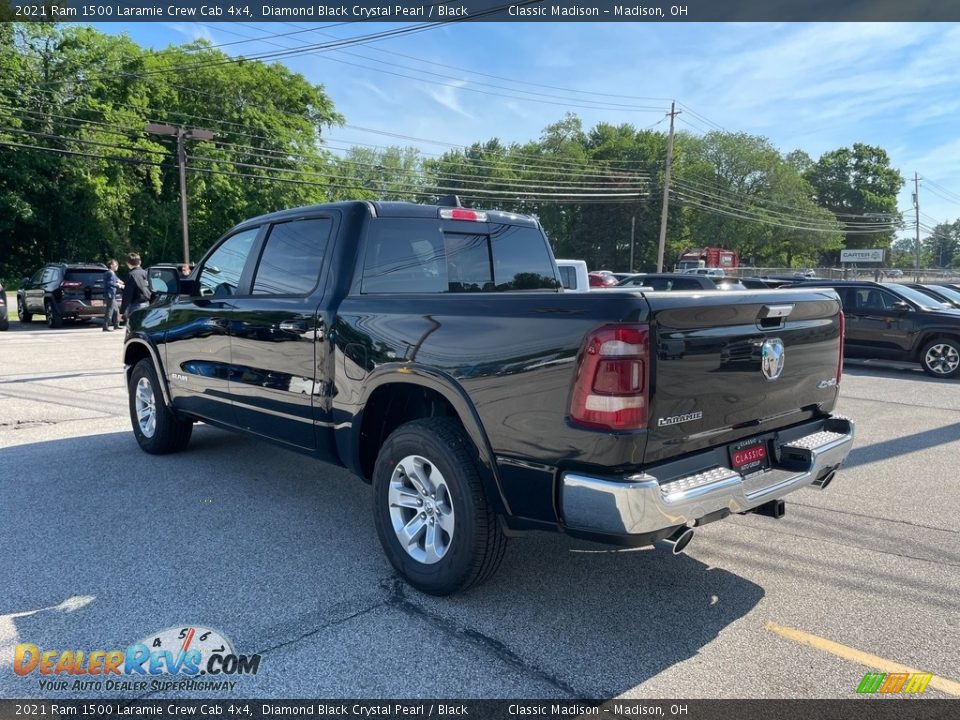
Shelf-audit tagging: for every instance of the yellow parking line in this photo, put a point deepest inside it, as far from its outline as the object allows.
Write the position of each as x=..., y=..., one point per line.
x=951, y=687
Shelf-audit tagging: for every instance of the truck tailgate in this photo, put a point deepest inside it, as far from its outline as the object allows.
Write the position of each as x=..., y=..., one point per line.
x=726, y=372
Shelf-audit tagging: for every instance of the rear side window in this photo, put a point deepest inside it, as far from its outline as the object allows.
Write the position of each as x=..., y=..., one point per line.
x=568, y=276
x=848, y=298
x=522, y=259
x=417, y=256
x=292, y=257
x=658, y=283
x=686, y=284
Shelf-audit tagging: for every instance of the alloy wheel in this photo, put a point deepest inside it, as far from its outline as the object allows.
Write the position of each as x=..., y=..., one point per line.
x=942, y=358
x=145, y=405
x=421, y=509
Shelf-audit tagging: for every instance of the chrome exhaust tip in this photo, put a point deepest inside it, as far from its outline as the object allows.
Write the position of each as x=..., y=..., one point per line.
x=825, y=480
x=680, y=539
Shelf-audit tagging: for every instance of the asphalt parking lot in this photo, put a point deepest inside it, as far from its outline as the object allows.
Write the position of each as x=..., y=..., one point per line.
x=103, y=545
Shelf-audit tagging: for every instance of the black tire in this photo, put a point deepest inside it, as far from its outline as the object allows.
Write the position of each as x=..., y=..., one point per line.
x=54, y=319
x=170, y=433
x=4, y=323
x=941, y=357
x=22, y=313
x=477, y=544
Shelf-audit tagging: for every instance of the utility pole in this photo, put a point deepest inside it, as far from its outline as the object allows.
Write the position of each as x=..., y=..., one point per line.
x=182, y=134
x=916, y=206
x=666, y=190
x=633, y=228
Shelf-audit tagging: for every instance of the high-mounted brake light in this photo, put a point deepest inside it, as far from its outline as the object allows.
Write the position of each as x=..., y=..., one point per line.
x=462, y=214
x=611, y=390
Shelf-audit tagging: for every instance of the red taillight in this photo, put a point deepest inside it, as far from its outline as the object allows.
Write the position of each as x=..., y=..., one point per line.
x=611, y=388
x=71, y=284
x=843, y=334
x=462, y=214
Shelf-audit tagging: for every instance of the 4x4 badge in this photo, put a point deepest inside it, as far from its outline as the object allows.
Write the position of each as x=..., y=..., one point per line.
x=772, y=358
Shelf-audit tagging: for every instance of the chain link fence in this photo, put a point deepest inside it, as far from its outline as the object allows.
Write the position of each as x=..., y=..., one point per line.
x=878, y=274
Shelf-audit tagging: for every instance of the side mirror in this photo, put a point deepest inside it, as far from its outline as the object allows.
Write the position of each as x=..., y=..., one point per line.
x=902, y=306
x=164, y=280
x=24, y=281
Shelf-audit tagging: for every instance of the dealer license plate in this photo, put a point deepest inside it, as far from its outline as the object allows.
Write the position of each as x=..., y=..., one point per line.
x=96, y=303
x=749, y=456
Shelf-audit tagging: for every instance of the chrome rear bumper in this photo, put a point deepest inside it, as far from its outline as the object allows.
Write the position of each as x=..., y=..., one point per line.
x=645, y=503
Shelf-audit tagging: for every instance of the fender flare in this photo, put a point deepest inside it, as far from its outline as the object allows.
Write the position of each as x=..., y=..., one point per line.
x=451, y=390
x=931, y=333
x=157, y=365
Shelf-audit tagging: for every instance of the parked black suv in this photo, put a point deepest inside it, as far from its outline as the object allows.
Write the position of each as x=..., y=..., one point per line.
x=63, y=291
x=890, y=321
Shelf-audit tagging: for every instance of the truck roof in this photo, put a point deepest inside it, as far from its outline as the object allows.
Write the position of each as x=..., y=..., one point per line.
x=395, y=209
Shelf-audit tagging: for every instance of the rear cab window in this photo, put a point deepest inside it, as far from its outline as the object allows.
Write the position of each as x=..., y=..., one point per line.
x=88, y=276
x=420, y=255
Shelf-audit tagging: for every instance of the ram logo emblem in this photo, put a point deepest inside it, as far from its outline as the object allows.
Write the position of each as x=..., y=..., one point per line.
x=772, y=358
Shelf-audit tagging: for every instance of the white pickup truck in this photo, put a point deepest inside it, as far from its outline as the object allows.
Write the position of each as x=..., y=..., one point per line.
x=573, y=275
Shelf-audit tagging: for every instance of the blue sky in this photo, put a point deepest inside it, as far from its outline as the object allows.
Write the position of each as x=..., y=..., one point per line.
x=814, y=87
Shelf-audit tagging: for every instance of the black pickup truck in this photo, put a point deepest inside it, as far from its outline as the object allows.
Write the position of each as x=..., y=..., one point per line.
x=432, y=351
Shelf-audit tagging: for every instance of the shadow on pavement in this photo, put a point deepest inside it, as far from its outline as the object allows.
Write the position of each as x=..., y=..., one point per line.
x=901, y=446
x=279, y=553
x=892, y=370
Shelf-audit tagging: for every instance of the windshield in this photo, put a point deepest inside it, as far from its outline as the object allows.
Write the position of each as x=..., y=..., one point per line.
x=920, y=298
x=946, y=292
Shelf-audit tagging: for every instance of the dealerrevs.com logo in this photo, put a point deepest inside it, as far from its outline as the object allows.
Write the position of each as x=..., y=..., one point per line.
x=184, y=658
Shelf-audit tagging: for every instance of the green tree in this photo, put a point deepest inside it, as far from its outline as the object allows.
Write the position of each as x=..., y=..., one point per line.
x=79, y=177
x=858, y=181
x=942, y=245
x=741, y=194
x=903, y=253
x=393, y=173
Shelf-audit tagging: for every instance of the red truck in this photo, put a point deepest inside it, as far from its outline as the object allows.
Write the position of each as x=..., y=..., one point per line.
x=708, y=257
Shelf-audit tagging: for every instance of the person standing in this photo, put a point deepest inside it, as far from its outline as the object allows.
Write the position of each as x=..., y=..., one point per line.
x=136, y=291
x=111, y=284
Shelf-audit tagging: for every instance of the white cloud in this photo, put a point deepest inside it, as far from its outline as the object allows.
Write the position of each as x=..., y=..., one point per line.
x=447, y=96
x=192, y=31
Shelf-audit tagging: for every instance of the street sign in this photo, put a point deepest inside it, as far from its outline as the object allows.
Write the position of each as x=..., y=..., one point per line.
x=861, y=256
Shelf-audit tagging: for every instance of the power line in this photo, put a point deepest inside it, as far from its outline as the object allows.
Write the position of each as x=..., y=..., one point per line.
x=62, y=138
x=471, y=189
x=697, y=203
x=280, y=54
x=705, y=119
x=734, y=195
x=805, y=219
x=432, y=141
x=64, y=151
x=944, y=190
x=537, y=96
x=494, y=77
x=941, y=195
x=541, y=167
